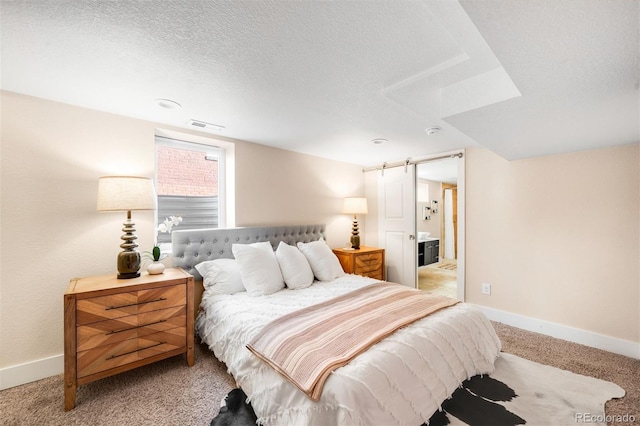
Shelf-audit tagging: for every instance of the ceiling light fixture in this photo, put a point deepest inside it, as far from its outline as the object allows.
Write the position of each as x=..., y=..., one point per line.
x=379, y=141
x=167, y=104
x=433, y=130
x=208, y=126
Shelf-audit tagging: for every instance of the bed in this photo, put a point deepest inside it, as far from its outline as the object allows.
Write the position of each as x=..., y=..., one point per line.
x=402, y=379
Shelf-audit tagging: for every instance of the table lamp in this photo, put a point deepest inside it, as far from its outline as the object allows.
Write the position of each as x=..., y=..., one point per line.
x=355, y=206
x=126, y=193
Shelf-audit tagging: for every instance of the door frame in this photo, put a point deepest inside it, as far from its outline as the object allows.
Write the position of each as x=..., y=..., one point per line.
x=460, y=240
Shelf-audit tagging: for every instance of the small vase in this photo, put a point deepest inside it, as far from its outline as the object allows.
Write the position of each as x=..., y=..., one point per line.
x=155, y=268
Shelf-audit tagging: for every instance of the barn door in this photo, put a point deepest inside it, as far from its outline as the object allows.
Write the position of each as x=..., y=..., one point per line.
x=397, y=223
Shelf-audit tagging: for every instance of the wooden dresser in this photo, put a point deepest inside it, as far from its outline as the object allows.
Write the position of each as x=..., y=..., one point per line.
x=367, y=261
x=113, y=325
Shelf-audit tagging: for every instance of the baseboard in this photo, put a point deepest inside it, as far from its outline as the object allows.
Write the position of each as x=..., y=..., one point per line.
x=31, y=371
x=576, y=335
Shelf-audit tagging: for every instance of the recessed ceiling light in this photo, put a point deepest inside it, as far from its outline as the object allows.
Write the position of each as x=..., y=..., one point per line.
x=433, y=130
x=167, y=104
x=379, y=141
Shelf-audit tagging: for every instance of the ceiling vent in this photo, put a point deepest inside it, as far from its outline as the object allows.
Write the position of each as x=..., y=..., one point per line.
x=208, y=126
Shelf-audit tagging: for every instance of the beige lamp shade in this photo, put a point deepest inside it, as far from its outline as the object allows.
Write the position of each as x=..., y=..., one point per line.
x=126, y=193
x=355, y=206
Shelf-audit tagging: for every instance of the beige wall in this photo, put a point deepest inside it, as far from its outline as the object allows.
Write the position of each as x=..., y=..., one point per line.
x=557, y=237
x=371, y=219
x=52, y=156
x=282, y=187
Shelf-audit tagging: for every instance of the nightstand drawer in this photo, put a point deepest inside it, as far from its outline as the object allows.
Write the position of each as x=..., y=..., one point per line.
x=129, y=303
x=368, y=263
x=372, y=272
x=116, y=330
x=111, y=356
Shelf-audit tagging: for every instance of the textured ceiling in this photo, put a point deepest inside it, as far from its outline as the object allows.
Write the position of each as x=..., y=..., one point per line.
x=522, y=78
x=576, y=64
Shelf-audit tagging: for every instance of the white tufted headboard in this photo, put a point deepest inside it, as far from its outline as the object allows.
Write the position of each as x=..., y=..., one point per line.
x=193, y=246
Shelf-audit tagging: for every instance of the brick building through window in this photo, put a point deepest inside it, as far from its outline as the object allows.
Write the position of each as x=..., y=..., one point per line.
x=187, y=184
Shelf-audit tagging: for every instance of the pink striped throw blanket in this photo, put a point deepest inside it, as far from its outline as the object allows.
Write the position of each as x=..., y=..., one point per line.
x=307, y=345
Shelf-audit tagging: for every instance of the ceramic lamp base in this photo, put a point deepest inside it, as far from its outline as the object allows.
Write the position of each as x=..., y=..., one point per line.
x=128, y=265
x=355, y=235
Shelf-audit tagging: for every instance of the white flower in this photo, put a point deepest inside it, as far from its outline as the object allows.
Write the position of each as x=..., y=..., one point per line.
x=169, y=223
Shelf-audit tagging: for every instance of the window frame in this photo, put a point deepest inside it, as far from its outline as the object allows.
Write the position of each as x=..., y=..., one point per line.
x=206, y=146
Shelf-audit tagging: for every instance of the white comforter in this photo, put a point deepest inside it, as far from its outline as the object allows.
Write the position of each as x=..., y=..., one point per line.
x=401, y=380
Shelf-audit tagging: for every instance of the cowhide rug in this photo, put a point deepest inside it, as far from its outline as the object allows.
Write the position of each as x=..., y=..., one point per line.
x=517, y=392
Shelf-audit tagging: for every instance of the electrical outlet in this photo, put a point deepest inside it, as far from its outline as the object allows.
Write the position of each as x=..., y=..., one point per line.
x=486, y=289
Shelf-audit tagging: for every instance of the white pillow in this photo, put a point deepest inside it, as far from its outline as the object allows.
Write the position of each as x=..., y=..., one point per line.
x=294, y=266
x=221, y=276
x=324, y=264
x=258, y=268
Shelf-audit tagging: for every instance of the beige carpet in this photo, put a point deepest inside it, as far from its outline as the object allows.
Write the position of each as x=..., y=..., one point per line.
x=170, y=393
x=167, y=393
x=439, y=278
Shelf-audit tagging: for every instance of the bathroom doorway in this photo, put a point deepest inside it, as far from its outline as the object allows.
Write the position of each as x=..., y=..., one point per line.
x=437, y=226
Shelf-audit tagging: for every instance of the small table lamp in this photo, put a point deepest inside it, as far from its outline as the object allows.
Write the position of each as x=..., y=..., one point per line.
x=126, y=193
x=355, y=206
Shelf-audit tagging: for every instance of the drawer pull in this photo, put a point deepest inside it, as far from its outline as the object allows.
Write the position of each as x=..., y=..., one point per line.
x=137, y=350
x=134, y=304
x=133, y=328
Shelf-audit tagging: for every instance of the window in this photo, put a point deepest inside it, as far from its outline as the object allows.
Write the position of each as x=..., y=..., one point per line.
x=189, y=184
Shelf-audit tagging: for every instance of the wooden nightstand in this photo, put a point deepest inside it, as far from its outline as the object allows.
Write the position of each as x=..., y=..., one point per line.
x=367, y=261
x=113, y=325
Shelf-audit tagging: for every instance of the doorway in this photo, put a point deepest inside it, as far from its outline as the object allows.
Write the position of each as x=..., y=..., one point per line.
x=437, y=227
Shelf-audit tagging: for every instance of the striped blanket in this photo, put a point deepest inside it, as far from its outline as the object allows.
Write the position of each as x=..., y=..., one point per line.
x=307, y=345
